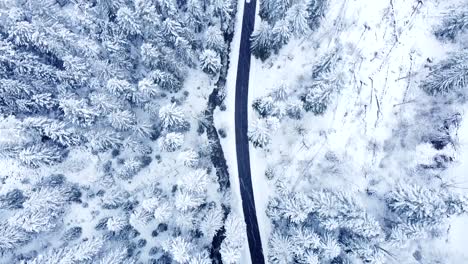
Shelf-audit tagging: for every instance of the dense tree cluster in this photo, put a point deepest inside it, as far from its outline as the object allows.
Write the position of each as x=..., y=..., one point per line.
x=283, y=19
x=106, y=79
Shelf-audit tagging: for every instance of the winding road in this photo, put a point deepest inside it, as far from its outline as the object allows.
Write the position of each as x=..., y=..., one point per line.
x=242, y=141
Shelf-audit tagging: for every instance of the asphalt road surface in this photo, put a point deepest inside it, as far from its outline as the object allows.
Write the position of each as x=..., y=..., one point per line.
x=242, y=141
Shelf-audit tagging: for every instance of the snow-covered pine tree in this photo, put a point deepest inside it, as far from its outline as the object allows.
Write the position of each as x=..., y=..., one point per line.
x=195, y=181
x=281, y=249
x=190, y=158
x=210, y=62
x=297, y=18
x=180, y=249
x=39, y=154
x=121, y=120
x=262, y=40
x=214, y=40
x=171, y=116
x=127, y=20
x=316, y=9
x=11, y=237
x=281, y=34
x=449, y=76
x=235, y=239
x=78, y=112
x=115, y=256
x=185, y=200
x=211, y=223
x=420, y=205
x=453, y=25
x=259, y=133
x=265, y=106
x=294, y=109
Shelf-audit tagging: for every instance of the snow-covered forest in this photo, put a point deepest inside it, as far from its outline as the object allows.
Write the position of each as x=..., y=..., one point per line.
x=106, y=151
x=118, y=139
x=358, y=130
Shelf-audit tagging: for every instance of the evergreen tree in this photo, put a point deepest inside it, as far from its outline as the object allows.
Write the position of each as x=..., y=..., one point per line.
x=294, y=109
x=180, y=249
x=39, y=154
x=453, y=25
x=116, y=223
x=128, y=22
x=195, y=181
x=116, y=256
x=281, y=33
x=448, y=76
x=78, y=112
x=11, y=237
x=235, y=239
x=171, y=116
x=121, y=120
x=214, y=40
x=212, y=222
x=281, y=249
x=297, y=17
x=103, y=140
x=185, y=200
x=417, y=204
x=190, y=158
x=259, y=132
x=316, y=9
x=210, y=62
x=262, y=40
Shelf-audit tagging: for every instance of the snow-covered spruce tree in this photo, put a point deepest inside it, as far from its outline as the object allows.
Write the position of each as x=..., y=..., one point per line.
x=453, y=25
x=259, y=133
x=297, y=18
x=417, y=204
x=41, y=211
x=39, y=154
x=262, y=41
x=212, y=222
x=326, y=79
x=449, y=76
x=214, y=39
x=171, y=142
x=281, y=34
x=316, y=9
x=171, y=116
x=180, y=249
x=235, y=239
x=190, y=158
x=274, y=10
x=265, y=106
x=210, y=62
